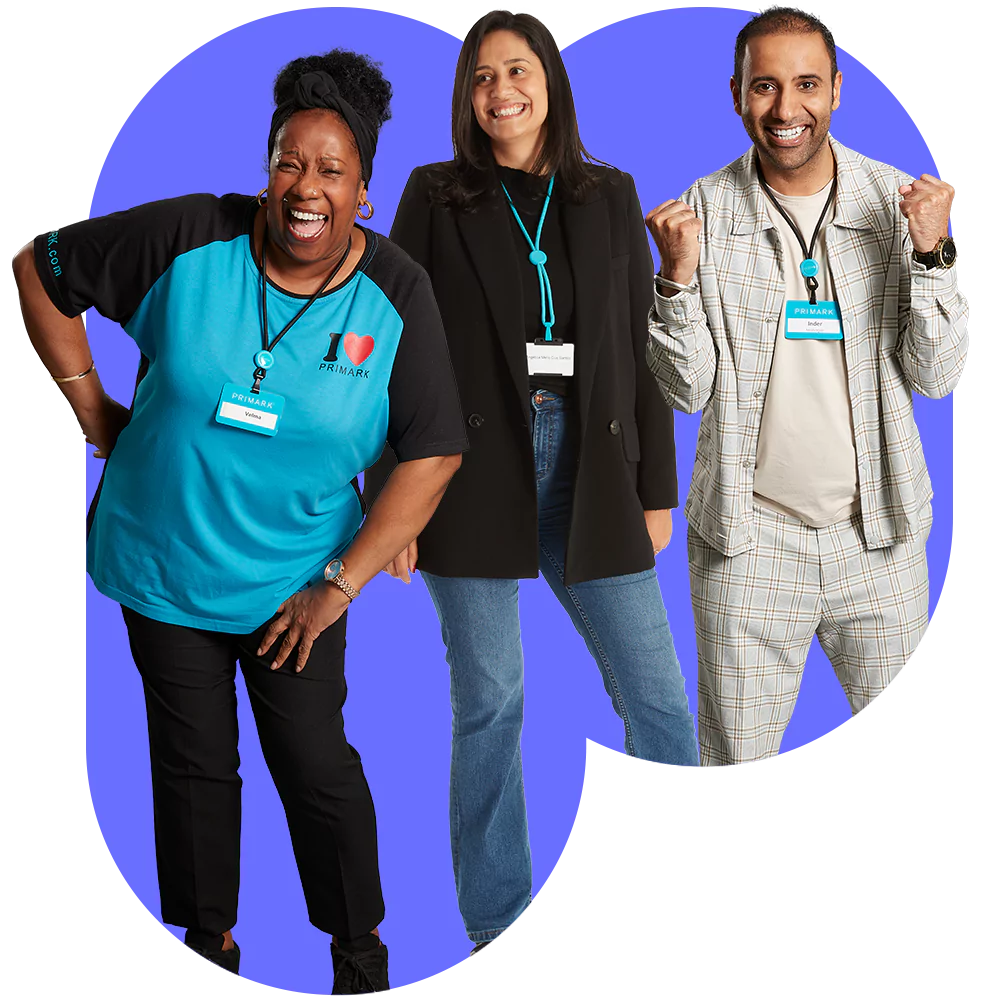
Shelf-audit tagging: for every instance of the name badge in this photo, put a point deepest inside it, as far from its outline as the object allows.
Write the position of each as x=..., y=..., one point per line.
x=550, y=358
x=805, y=321
x=259, y=412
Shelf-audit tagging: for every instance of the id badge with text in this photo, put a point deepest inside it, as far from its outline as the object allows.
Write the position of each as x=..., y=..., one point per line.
x=806, y=321
x=259, y=412
x=550, y=358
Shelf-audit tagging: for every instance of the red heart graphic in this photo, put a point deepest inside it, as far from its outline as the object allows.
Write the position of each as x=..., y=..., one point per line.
x=358, y=348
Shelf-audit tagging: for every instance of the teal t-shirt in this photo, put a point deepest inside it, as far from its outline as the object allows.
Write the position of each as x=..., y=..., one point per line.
x=208, y=525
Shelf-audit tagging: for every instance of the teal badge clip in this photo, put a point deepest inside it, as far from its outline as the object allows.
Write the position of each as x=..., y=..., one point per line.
x=812, y=321
x=259, y=412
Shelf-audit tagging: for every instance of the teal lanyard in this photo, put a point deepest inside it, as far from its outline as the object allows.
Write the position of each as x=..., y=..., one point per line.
x=538, y=257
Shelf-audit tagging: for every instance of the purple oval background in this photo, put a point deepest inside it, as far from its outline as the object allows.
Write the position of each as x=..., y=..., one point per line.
x=203, y=128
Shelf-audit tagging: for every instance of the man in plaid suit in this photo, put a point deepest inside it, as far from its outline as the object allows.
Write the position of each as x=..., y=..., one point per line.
x=804, y=292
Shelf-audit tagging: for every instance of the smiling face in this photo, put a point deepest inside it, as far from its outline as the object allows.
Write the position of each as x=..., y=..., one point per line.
x=314, y=187
x=510, y=98
x=786, y=98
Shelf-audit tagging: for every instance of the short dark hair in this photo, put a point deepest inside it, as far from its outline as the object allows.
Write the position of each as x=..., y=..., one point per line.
x=562, y=151
x=781, y=21
x=357, y=76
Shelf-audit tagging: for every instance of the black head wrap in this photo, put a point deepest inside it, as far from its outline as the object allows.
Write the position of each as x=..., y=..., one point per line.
x=317, y=89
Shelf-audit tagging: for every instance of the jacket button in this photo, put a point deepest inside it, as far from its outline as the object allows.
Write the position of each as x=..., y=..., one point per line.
x=475, y=420
x=614, y=427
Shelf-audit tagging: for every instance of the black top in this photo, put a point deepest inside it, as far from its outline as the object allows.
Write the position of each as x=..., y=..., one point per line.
x=487, y=522
x=527, y=191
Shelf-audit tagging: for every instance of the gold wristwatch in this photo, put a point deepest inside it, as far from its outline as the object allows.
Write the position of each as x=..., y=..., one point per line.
x=943, y=255
x=334, y=573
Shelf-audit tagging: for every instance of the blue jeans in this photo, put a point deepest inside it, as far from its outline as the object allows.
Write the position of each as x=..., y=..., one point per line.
x=623, y=622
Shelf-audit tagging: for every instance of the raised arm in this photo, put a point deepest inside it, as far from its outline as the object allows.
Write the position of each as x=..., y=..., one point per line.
x=934, y=315
x=680, y=353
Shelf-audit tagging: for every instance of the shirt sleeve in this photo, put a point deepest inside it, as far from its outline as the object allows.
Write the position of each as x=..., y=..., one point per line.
x=425, y=415
x=681, y=352
x=110, y=263
x=933, y=342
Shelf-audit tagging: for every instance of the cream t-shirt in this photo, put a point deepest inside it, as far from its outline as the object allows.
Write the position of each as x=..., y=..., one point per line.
x=806, y=461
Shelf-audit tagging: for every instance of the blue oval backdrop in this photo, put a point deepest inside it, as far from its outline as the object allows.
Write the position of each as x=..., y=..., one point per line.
x=204, y=127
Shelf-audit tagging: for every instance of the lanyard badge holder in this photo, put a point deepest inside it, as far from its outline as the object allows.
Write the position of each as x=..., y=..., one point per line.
x=249, y=409
x=810, y=320
x=547, y=355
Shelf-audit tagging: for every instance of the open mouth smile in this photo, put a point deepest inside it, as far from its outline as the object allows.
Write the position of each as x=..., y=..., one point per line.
x=790, y=136
x=508, y=111
x=306, y=226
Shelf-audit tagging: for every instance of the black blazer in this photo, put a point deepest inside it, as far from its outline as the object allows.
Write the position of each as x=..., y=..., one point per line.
x=487, y=522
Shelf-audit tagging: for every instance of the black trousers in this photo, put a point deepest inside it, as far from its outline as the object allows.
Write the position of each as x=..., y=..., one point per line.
x=189, y=678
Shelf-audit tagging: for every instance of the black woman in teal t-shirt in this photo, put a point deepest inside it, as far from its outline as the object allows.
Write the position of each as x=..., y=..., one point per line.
x=282, y=346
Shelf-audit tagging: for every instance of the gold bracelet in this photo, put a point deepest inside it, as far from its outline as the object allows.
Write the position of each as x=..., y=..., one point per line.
x=341, y=581
x=73, y=378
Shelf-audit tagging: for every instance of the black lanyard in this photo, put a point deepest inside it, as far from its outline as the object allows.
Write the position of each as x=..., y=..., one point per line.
x=808, y=268
x=263, y=359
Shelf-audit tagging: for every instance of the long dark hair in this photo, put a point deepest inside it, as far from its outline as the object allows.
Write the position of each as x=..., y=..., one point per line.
x=471, y=175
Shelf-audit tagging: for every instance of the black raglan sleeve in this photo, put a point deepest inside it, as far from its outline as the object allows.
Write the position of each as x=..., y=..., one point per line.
x=425, y=415
x=110, y=263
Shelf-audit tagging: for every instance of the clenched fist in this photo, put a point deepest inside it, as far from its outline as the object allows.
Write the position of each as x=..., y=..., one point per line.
x=926, y=205
x=675, y=230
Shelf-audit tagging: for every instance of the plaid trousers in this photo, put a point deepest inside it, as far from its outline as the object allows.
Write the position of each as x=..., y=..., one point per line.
x=756, y=613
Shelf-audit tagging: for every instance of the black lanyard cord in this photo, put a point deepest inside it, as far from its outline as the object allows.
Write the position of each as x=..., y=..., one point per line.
x=807, y=252
x=259, y=372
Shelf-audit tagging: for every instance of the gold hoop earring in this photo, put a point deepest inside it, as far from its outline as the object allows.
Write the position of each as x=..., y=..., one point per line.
x=260, y=195
x=371, y=211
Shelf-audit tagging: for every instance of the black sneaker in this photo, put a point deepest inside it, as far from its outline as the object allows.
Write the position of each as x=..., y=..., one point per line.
x=227, y=963
x=360, y=971
x=479, y=947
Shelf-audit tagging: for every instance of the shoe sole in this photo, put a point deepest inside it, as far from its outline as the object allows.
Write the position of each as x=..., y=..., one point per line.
x=220, y=970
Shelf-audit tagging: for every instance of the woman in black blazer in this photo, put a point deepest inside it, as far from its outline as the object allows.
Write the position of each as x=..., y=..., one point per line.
x=573, y=474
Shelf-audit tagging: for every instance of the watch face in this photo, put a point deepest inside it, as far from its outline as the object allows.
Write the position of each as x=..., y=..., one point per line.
x=948, y=252
x=333, y=569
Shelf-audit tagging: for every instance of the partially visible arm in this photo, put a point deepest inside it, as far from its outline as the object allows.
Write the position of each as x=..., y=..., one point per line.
x=657, y=470
x=403, y=508
x=108, y=263
x=61, y=344
x=933, y=315
x=411, y=494
x=680, y=352
x=426, y=432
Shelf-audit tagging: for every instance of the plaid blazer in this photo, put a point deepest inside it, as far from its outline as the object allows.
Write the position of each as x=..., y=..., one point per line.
x=711, y=344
